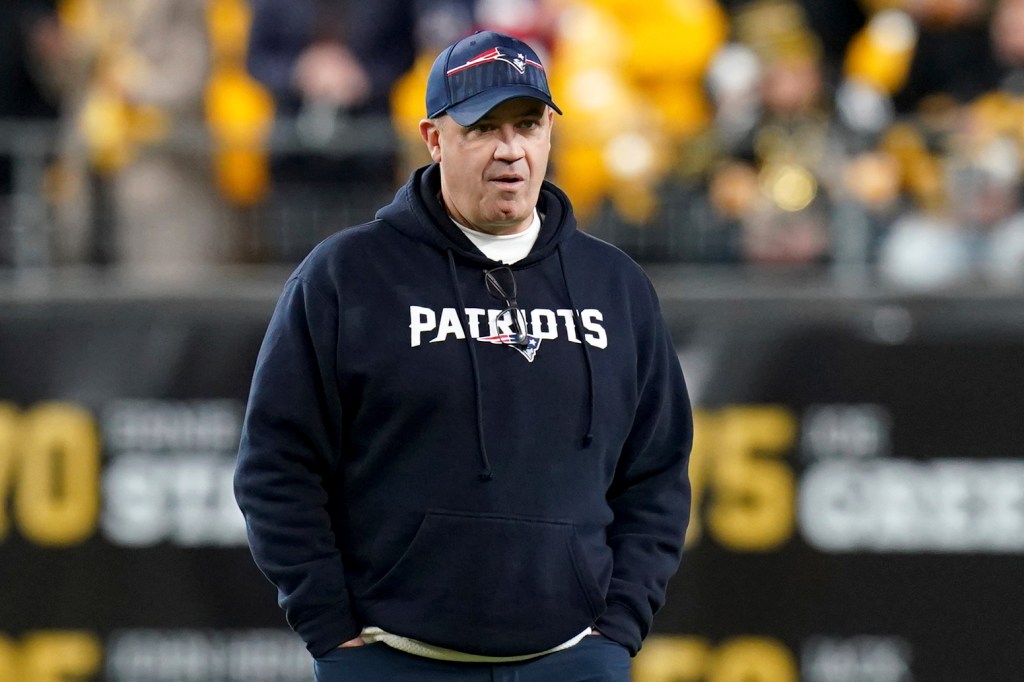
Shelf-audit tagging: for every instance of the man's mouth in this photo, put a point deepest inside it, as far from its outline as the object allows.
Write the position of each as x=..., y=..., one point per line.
x=509, y=181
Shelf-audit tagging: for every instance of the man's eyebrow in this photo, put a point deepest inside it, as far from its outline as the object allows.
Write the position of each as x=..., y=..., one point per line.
x=493, y=120
x=532, y=112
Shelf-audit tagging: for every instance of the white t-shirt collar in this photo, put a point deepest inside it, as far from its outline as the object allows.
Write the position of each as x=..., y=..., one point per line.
x=505, y=248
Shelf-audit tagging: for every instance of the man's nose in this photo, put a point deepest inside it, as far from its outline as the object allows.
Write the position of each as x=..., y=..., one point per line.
x=510, y=145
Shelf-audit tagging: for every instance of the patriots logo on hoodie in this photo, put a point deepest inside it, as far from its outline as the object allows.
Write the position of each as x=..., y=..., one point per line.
x=528, y=349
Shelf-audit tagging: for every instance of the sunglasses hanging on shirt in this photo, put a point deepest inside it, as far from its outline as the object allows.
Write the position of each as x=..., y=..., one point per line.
x=501, y=284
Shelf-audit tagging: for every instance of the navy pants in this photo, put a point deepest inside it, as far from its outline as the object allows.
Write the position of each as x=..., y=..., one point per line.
x=595, y=659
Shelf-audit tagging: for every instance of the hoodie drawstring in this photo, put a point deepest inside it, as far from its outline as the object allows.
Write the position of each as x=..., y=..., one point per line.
x=588, y=437
x=485, y=463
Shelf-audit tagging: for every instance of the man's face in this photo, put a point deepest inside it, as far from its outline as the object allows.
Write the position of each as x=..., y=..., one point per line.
x=491, y=171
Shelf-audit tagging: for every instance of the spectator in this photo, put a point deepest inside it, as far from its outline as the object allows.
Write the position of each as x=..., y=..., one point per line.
x=952, y=57
x=30, y=38
x=950, y=241
x=1007, y=34
x=299, y=51
x=787, y=142
x=155, y=211
x=833, y=21
x=328, y=60
x=331, y=65
x=30, y=41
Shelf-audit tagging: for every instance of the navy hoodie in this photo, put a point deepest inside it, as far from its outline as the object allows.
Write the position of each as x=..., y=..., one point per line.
x=402, y=465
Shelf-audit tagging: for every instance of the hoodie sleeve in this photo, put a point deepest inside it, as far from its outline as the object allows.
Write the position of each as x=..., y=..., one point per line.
x=288, y=451
x=650, y=496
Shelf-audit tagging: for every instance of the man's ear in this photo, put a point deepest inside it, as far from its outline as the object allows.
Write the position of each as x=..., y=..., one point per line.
x=430, y=131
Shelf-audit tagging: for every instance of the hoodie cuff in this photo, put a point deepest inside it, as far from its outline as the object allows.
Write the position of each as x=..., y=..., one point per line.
x=327, y=629
x=620, y=623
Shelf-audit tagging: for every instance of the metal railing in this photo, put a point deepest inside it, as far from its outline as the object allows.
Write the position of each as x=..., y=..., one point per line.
x=279, y=230
x=28, y=224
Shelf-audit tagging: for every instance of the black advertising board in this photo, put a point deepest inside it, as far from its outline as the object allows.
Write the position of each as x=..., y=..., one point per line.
x=861, y=497
x=122, y=551
x=857, y=468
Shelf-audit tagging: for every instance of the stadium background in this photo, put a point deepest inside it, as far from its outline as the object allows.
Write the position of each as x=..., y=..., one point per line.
x=826, y=194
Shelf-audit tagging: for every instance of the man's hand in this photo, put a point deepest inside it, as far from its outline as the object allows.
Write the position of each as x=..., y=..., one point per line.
x=328, y=72
x=356, y=641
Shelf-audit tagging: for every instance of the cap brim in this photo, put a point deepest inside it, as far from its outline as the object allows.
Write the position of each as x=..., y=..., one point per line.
x=471, y=110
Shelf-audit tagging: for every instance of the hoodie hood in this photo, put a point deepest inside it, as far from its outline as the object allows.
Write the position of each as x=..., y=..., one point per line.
x=417, y=212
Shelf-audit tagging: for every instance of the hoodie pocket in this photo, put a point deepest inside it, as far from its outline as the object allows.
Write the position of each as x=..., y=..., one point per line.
x=488, y=584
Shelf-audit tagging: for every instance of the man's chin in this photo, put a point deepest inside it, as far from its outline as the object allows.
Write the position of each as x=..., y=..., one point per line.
x=506, y=222
x=509, y=213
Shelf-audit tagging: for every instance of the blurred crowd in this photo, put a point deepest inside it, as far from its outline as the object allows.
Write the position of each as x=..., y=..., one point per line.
x=880, y=133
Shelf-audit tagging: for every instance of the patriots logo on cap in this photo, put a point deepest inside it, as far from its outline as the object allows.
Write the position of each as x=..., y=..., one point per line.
x=528, y=349
x=518, y=61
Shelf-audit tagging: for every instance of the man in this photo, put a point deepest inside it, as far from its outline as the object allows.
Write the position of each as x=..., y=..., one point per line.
x=464, y=456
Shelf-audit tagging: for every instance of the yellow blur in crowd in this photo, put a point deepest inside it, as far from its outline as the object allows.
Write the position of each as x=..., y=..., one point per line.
x=630, y=77
x=238, y=110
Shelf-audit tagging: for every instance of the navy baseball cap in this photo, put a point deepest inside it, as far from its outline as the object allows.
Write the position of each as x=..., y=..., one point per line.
x=480, y=72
